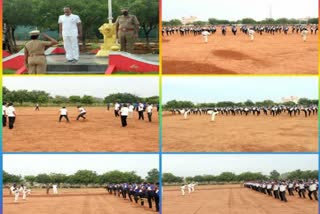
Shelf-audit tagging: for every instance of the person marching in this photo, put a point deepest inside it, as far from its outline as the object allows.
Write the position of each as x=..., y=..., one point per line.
x=35, y=59
x=131, y=108
x=205, y=35
x=302, y=190
x=11, y=113
x=14, y=189
x=140, y=111
x=182, y=188
x=313, y=190
x=127, y=29
x=55, y=189
x=82, y=112
x=63, y=113
x=4, y=114
x=124, y=114
x=149, y=110
x=276, y=190
x=70, y=30
x=116, y=109
x=282, y=190
x=37, y=107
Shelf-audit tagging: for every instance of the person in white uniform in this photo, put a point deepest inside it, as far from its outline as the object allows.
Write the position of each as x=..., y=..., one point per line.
x=70, y=30
x=189, y=188
x=313, y=190
x=251, y=34
x=11, y=113
x=55, y=188
x=149, y=111
x=15, y=191
x=131, y=108
x=82, y=112
x=63, y=113
x=304, y=34
x=205, y=35
x=213, y=115
x=183, y=187
x=124, y=111
x=116, y=109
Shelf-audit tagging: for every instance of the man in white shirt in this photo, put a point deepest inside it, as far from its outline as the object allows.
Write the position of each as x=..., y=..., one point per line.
x=63, y=113
x=131, y=108
x=276, y=190
x=183, y=187
x=205, y=35
x=82, y=112
x=70, y=30
x=37, y=107
x=4, y=114
x=251, y=34
x=124, y=111
x=304, y=34
x=149, y=111
x=282, y=189
x=313, y=190
x=11, y=113
x=302, y=190
x=14, y=189
x=140, y=111
x=55, y=189
x=116, y=109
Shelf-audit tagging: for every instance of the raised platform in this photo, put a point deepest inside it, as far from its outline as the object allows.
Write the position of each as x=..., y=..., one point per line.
x=87, y=64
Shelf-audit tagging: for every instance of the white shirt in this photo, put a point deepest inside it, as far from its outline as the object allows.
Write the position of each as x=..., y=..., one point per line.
x=131, y=107
x=116, y=106
x=149, y=109
x=269, y=186
x=301, y=186
x=10, y=111
x=140, y=108
x=124, y=111
x=54, y=186
x=313, y=187
x=69, y=24
x=205, y=33
x=251, y=32
x=282, y=188
x=63, y=111
x=81, y=110
x=3, y=109
x=290, y=185
x=275, y=187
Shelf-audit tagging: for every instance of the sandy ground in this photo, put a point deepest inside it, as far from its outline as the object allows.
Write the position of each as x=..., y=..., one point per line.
x=73, y=201
x=239, y=133
x=232, y=200
x=267, y=54
x=40, y=131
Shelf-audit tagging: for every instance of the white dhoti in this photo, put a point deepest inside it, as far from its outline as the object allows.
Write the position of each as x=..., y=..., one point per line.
x=71, y=46
x=182, y=191
x=185, y=115
x=213, y=115
x=16, y=196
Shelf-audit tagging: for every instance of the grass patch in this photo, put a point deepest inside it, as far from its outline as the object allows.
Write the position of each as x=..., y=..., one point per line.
x=8, y=71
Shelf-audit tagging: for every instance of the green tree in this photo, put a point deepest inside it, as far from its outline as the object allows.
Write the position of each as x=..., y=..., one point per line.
x=30, y=178
x=43, y=179
x=75, y=99
x=85, y=177
x=10, y=178
x=171, y=178
x=274, y=175
x=153, y=176
x=87, y=99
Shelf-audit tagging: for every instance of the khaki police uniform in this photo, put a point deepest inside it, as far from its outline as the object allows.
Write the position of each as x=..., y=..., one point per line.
x=127, y=26
x=35, y=49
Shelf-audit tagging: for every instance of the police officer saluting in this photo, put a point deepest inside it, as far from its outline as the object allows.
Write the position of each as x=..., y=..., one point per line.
x=35, y=60
x=127, y=29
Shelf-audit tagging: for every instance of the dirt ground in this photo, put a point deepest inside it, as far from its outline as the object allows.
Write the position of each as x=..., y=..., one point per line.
x=41, y=132
x=72, y=201
x=267, y=54
x=232, y=200
x=239, y=133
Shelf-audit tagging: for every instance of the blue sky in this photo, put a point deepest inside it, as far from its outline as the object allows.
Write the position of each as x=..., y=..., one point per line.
x=191, y=165
x=237, y=89
x=29, y=164
x=238, y=9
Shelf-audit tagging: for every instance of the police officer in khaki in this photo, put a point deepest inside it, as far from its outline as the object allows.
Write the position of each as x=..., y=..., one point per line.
x=35, y=60
x=127, y=29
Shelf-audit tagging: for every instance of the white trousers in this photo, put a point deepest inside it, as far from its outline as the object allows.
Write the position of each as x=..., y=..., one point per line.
x=304, y=37
x=71, y=46
x=205, y=39
x=16, y=196
x=251, y=37
x=55, y=191
x=182, y=191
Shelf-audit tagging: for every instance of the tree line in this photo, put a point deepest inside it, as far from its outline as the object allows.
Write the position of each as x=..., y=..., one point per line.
x=214, y=21
x=169, y=178
x=22, y=97
x=82, y=177
x=249, y=103
x=44, y=14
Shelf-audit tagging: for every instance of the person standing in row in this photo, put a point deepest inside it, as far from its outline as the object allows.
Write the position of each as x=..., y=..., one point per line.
x=131, y=109
x=140, y=111
x=63, y=113
x=11, y=113
x=124, y=111
x=127, y=29
x=70, y=30
x=35, y=59
x=4, y=114
x=313, y=190
x=149, y=111
x=82, y=112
